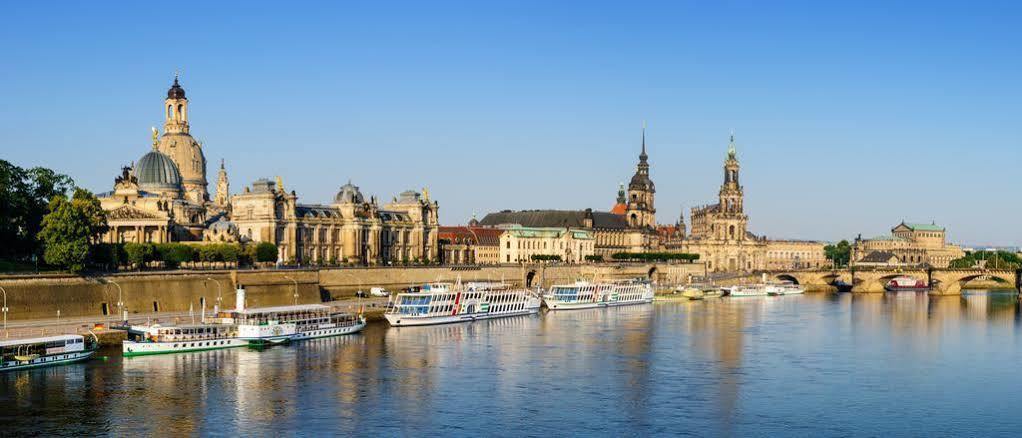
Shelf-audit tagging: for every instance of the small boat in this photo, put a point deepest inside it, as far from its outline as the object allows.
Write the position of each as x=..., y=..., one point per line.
x=586, y=295
x=842, y=286
x=20, y=354
x=691, y=292
x=906, y=284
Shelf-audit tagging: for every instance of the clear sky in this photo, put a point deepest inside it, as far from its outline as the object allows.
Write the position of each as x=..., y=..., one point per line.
x=849, y=116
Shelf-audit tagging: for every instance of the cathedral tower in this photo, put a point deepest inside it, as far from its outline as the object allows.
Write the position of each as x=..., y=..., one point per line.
x=223, y=188
x=731, y=207
x=179, y=145
x=640, y=211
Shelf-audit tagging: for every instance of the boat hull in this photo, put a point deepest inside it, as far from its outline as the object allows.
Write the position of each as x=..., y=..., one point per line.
x=46, y=361
x=131, y=348
x=555, y=305
x=329, y=332
x=398, y=320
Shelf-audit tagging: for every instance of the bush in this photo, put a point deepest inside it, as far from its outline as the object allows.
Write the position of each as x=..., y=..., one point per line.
x=265, y=252
x=545, y=257
x=229, y=252
x=655, y=256
x=594, y=258
x=174, y=254
x=139, y=254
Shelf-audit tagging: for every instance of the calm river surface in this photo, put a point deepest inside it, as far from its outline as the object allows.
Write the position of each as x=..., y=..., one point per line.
x=813, y=365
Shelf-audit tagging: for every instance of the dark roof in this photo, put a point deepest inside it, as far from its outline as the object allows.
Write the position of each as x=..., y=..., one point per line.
x=555, y=218
x=878, y=257
x=175, y=91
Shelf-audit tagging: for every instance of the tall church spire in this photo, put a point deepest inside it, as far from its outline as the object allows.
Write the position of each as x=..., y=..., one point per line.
x=642, y=156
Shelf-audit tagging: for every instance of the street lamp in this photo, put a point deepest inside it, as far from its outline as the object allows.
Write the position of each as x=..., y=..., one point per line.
x=296, y=288
x=5, y=310
x=219, y=298
x=120, y=300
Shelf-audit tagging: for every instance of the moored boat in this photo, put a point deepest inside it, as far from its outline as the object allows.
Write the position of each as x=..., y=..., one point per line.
x=163, y=339
x=906, y=284
x=747, y=290
x=19, y=354
x=443, y=303
x=586, y=295
x=785, y=288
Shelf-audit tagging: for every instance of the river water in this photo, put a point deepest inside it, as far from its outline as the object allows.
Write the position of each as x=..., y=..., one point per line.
x=813, y=365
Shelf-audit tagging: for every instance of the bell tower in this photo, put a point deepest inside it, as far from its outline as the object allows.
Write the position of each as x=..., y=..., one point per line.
x=641, y=212
x=178, y=144
x=732, y=210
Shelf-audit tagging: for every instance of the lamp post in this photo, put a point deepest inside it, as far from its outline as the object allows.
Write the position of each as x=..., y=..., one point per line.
x=219, y=298
x=296, y=288
x=120, y=300
x=5, y=311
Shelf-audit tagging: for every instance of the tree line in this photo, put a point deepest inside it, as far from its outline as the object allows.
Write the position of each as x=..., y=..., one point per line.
x=654, y=256
x=988, y=259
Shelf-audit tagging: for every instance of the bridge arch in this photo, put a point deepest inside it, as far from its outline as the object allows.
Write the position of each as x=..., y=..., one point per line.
x=788, y=277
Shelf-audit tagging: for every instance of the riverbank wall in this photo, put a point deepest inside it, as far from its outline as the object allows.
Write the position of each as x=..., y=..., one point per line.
x=32, y=297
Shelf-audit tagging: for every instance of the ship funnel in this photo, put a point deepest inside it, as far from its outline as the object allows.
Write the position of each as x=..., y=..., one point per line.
x=239, y=298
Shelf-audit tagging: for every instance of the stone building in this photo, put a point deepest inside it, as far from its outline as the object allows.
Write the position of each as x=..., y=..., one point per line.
x=630, y=226
x=719, y=233
x=352, y=229
x=795, y=254
x=519, y=244
x=469, y=245
x=164, y=198
x=913, y=244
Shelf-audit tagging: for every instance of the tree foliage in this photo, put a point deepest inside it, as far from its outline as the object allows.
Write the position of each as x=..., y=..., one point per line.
x=265, y=252
x=654, y=256
x=25, y=197
x=71, y=228
x=840, y=254
x=988, y=260
x=545, y=258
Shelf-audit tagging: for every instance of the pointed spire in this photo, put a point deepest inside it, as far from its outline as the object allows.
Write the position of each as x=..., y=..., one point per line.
x=221, y=164
x=643, y=155
x=731, y=151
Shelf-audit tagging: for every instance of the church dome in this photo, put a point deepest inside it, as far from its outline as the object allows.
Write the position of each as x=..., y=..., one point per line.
x=175, y=91
x=156, y=171
x=224, y=226
x=349, y=194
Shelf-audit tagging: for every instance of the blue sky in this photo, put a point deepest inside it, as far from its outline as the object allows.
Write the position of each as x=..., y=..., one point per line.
x=850, y=116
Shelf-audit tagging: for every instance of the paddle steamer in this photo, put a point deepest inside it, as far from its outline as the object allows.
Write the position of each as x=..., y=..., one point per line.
x=19, y=354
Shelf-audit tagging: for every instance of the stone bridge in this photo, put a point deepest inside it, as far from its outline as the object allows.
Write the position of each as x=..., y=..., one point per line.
x=941, y=281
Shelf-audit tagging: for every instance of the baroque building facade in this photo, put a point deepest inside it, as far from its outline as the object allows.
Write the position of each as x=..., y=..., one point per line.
x=630, y=225
x=719, y=233
x=163, y=197
x=910, y=244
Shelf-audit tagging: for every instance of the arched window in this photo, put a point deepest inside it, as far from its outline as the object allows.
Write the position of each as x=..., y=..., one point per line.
x=731, y=230
x=170, y=112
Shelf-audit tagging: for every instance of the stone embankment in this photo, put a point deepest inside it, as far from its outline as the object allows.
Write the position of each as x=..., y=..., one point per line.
x=103, y=298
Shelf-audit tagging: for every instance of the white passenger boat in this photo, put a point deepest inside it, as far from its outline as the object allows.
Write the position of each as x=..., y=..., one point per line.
x=163, y=339
x=19, y=354
x=443, y=303
x=748, y=290
x=786, y=288
x=320, y=321
x=259, y=326
x=585, y=295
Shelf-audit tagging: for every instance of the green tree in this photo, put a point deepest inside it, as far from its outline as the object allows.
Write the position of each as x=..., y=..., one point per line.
x=266, y=252
x=140, y=253
x=841, y=253
x=174, y=254
x=25, y=197
x=71, y=228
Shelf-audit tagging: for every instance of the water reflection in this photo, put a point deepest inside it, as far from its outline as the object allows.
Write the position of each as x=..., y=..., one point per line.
x=757, y=365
